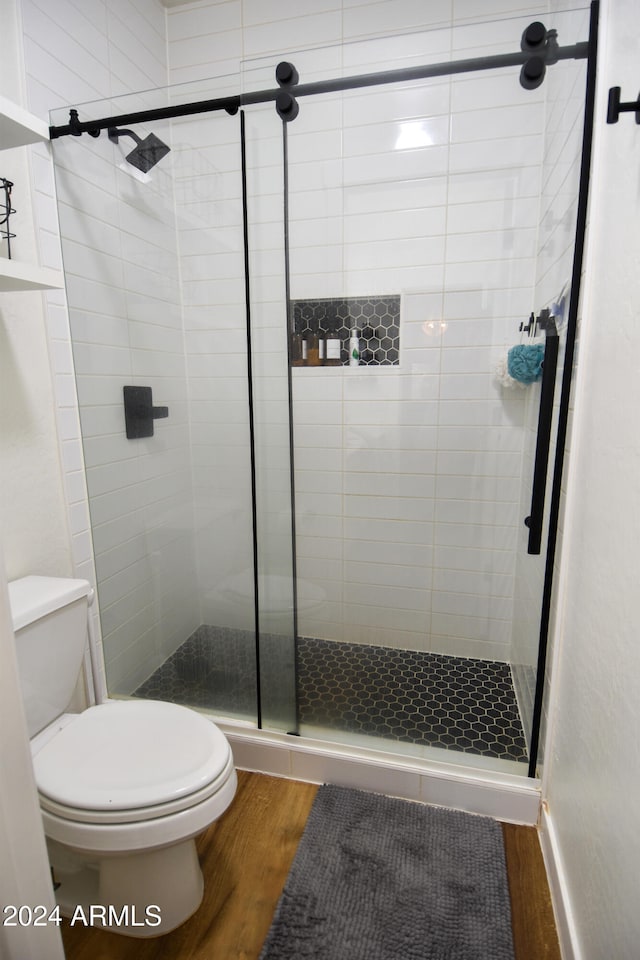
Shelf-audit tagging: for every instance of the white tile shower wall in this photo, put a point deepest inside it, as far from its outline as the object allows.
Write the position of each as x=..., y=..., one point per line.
x=409, y=539
x=431, y=567
x=124, y=299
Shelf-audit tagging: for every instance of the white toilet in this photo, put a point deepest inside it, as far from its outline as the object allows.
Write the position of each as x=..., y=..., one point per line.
x=124, y=786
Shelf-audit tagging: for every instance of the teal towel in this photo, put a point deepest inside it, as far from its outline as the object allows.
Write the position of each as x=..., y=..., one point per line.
x=524, y=362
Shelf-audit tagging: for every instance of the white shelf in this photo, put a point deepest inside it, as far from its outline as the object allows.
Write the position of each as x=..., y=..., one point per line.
x=24, y=276
x=18, y=127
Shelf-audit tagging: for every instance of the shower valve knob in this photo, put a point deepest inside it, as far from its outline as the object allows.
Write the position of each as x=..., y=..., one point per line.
x=139, y=412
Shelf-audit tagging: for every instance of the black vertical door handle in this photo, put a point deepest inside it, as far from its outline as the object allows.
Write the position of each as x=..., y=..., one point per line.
x=543, y=441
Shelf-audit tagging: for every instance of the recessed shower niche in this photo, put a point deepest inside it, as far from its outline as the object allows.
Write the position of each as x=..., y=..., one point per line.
x=374, y=322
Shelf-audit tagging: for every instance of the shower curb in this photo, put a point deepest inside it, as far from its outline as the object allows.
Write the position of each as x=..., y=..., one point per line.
x=504, y=796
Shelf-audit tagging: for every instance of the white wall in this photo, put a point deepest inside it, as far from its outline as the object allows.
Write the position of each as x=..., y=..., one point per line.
x=34, y=538
x=32, y=502
x=592, y=775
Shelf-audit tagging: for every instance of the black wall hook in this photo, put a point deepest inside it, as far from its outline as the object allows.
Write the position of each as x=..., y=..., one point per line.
x=615, y=107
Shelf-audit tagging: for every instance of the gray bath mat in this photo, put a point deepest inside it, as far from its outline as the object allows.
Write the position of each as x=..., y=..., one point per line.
x=381, y=879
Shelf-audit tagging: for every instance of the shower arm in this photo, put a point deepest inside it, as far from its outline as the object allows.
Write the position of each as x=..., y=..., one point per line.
x=551, y=54
x=114, y=134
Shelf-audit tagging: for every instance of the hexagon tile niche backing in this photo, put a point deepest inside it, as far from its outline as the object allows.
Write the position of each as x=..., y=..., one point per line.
x=377, y=320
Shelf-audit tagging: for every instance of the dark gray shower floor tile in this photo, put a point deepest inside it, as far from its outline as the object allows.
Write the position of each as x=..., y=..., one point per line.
x=214, y=669
x=423, y=698
x=403, y=695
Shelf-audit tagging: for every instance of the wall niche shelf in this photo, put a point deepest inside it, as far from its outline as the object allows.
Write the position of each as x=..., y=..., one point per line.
x=19, y=128
x=24, y=276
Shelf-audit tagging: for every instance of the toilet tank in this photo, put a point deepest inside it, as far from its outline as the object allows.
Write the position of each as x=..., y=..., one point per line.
x=50, y=624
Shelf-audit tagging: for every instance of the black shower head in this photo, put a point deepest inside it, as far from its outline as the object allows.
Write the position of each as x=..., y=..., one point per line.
x=146, y=153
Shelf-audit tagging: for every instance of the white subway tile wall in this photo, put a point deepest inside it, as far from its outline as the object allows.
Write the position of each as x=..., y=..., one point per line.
x=368, y=217
x=407, y=479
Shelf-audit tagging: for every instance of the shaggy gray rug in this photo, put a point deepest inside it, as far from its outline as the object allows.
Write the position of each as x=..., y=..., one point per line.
x=381, y=879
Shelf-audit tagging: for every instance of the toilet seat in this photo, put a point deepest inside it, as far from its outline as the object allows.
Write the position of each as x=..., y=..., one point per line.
x=135, y=814
x=126, y=761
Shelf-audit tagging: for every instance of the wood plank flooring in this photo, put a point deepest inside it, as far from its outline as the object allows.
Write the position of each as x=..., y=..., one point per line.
x=245, y=859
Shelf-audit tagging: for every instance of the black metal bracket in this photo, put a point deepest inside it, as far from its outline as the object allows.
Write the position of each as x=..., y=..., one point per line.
x=139, y=412
x=549, y=53
x=287, y=106
x=545, y=322
x=542, y=44
x=615, y=107
x=76, y=129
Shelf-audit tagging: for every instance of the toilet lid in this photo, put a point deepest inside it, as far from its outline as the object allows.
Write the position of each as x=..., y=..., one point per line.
x=129, y=754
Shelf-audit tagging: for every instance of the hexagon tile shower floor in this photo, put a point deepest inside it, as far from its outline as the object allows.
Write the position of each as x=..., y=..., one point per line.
x=424, y=698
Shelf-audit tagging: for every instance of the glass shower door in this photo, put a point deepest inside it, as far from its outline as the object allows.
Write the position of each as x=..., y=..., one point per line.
x=155, y=284
x=416, y=239
x=275, y=574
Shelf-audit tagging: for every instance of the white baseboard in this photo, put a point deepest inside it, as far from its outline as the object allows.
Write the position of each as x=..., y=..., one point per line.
x=504, y=796
x=558, y=887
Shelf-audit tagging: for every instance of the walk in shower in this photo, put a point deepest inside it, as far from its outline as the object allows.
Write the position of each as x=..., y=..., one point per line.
x=309, y=453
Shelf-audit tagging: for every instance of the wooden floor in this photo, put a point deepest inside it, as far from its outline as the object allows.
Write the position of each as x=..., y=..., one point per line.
x=245, y=859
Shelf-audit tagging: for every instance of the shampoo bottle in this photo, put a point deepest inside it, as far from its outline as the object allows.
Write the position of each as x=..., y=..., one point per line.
x=332, y=348
x=313, y=358
x=296, y=350
x=354, y=348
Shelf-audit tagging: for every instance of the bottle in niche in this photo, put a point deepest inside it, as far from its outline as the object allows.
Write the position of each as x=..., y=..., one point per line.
x=296, y=349
x=322, y=347
x=332, y=348
x=304, y=349
x=313, y=357
x=354, y=348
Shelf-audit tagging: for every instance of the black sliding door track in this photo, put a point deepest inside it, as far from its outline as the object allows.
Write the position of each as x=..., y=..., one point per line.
x=75, y=127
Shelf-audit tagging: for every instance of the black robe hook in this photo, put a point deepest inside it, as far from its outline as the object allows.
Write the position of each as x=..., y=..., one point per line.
x=615, y=108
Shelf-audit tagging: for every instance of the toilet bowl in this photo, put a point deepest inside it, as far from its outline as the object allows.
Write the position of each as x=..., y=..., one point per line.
x=124, y=787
